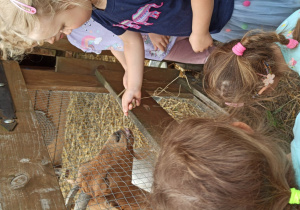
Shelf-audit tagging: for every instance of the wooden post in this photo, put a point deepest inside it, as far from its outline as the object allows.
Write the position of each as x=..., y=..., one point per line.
x=27, y=179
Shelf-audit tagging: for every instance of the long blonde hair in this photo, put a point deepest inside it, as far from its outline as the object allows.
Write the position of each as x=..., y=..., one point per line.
x=15, y=24
x=210, y=164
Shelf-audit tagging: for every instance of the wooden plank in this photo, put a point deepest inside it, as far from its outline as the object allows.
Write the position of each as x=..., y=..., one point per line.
x=88, y=67
x=45, y=80
x=153, y=77
x=24, y=156
x=65, y=45
x=150, y=117
x=81, y=66
x=44, y=51
x=197, y=91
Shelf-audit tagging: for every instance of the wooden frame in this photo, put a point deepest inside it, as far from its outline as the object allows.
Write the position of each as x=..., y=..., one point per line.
x=27, y=178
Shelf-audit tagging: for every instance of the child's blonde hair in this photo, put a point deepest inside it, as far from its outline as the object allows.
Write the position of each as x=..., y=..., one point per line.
x=15, y=24
x=237, y=79
x=210, y=164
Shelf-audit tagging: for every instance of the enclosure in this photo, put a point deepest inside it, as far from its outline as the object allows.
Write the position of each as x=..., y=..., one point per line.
x=71, y=147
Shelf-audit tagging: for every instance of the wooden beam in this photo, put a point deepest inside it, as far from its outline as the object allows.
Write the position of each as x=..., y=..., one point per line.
x=47, y=80
x=153, y=77
x=197, y=90
x=28, y=181
x=80, y=66
x=65, y=45
x=150, y=117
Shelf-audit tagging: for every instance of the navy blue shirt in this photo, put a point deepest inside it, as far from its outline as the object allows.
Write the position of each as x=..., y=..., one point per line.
x=171, y=17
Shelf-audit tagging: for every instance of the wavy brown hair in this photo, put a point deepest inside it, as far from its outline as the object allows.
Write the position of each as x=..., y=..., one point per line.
x=15, y=24
x=232, y=78
x=210, y=164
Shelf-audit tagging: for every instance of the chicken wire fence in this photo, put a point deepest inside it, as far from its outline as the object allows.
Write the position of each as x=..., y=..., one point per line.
x=101, y=159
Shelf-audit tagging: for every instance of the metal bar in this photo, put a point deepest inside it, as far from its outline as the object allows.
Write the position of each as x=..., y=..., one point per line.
x=7, y=109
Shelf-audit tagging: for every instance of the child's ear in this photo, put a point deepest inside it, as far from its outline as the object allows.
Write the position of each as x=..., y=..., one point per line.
x=243, y=126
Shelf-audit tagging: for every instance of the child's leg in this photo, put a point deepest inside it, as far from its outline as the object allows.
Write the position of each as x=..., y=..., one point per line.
x=182, y=52
x=266, y=15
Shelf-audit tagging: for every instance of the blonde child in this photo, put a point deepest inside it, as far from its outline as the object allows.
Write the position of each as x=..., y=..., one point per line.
x=242, y=71
x=217, y=164
x=28, y=23
x=195, y=18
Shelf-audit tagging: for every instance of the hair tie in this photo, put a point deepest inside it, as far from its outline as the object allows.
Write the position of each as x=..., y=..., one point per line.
x=292, y=43
x=295, y=196
x=24, y=7
x=238, y=49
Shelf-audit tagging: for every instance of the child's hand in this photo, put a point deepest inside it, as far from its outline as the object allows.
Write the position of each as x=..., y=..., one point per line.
x=159, y=41
x=200, y=43
x=130, y=100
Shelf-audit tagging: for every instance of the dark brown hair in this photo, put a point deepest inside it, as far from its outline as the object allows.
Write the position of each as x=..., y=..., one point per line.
x=235, y=79
x=210, y=164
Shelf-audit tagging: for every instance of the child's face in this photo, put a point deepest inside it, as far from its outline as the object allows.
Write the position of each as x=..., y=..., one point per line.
x=53, y=28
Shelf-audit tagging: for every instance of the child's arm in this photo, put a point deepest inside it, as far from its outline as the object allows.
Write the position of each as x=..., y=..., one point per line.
x=200, y=37
x=134, y=55
x=159, y=41
x=121, y=58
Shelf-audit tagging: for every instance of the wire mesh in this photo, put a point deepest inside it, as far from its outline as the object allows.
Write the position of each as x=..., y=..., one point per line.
x=100, y=157
x=47, y=128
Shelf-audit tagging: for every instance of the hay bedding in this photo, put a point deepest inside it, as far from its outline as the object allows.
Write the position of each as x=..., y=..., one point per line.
x=281, y=111
x=92, y=118
x=180, y=108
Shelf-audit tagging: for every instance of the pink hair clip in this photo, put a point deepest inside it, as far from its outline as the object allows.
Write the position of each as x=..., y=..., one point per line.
x=269, y=78
x=238, y=49
x=292, y=43
x=24, y=7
